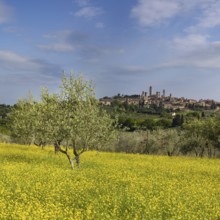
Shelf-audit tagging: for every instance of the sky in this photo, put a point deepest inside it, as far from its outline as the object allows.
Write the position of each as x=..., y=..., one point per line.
x=123, y=46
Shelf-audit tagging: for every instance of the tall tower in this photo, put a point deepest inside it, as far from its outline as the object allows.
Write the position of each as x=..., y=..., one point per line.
x=150, y=91
x=158, y=94
x=164, y=93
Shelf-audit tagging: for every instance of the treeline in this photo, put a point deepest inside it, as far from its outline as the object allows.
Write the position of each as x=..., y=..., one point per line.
x=131, y=122
x=195, y=138
x=194, y=133
x=135, y=117
x=4, y=112
x=120, y=107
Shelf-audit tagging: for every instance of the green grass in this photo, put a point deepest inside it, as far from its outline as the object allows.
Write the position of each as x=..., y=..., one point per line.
x=37, y=184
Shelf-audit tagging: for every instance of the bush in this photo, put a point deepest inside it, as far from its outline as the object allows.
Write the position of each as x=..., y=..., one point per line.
x=5, y=138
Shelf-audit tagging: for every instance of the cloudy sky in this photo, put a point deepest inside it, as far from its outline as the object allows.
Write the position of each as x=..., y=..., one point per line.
x=124, y=46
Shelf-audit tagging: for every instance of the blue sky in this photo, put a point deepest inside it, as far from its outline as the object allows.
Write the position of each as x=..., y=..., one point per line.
x=123, y=46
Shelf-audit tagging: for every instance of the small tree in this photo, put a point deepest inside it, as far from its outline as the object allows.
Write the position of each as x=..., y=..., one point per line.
x=169, y=141
x=70, y=120
x=21, y=119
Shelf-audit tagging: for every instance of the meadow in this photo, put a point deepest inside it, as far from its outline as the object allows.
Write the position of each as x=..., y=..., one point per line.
x=37, y=184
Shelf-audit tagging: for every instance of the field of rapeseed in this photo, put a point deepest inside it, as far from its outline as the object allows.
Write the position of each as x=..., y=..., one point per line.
x=37, y=184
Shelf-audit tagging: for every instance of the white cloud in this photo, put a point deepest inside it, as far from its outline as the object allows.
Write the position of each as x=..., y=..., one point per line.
x=59, y=47
x=205, y=57
x=190, y=42
x=210, y=16
x=150, y=13
x=19, y=73
x=12, y=61
x=89, y=12
x=9, y=59
x=58, y=35
x=5, y=12
x=64, y=41
x=80, y=45
x=155, y=12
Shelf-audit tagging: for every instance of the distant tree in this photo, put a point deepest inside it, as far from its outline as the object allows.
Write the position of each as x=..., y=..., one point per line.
x=162, y=141
x=213, y=105
x=193, y=143
x=182, y=120
x=4, y=112
x=22, y=120
x=211, y=131
x=149, y=124
x=196, y=137
x=169, y=141
x=125, y=105
x=151, y=143
x=177, y=120
x=127, y=123
x=164, y=123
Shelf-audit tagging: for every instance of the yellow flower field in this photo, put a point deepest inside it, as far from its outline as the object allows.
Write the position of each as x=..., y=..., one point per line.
x=37, y=184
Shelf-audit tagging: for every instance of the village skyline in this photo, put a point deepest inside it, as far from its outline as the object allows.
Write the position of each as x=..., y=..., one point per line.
x=160, y=98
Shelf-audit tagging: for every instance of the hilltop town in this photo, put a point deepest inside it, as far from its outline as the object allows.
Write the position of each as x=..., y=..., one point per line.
x=160, y=99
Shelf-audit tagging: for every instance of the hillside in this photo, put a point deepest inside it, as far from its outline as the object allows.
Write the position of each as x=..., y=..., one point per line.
x=38, y=184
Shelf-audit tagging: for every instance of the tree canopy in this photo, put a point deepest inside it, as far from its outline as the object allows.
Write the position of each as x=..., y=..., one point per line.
x=69, y=120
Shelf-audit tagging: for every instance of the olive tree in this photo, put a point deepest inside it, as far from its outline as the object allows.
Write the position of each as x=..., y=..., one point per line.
x=71, y=120
x=203, y=136
x=21, y=117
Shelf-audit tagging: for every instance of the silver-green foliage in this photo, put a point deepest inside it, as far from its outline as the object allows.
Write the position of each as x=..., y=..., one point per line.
x=203, y=136
x=70, y=119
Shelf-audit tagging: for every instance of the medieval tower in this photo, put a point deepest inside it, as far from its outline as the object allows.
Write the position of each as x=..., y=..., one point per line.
x=150, y=91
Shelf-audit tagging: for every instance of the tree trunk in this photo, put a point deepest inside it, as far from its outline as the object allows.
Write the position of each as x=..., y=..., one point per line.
x=202, y=151
x=70, y=160
x=196, y=152
x=170, y=154
x=58, y=149
x=209, y=151
x=41, y=144
x=78, y=161
x=76, y=155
